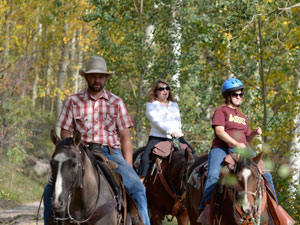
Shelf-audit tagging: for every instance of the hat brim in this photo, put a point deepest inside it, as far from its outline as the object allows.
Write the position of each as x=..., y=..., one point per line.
x=82, y=73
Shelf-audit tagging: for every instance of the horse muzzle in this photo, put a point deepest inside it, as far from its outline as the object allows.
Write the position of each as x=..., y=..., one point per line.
x=59, y=206
x=247, y=210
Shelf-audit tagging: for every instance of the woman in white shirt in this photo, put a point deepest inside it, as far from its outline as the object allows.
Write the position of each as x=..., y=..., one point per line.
x=163, y=112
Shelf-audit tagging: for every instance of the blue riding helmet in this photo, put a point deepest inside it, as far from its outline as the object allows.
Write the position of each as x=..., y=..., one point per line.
x=231, y=84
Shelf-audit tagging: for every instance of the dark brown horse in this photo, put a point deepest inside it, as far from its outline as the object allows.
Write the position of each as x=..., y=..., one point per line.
x=164, y=187
x=81, y=193
x=239, y=198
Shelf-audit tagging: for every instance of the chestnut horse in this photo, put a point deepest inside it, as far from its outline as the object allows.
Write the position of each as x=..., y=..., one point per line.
x=165, y=189
x=81, y=193
x=239, y=198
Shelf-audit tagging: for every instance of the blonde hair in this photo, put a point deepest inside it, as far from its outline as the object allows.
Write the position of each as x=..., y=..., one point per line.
x=152, y=93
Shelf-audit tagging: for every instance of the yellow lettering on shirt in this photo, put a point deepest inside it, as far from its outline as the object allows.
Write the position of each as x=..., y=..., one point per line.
x=237, y=119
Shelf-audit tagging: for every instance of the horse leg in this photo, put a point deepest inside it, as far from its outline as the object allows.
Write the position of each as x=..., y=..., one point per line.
x=183, y=218
x=156, y=217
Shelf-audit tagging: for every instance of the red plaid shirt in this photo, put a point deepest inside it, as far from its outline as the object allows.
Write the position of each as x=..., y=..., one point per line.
x=98, y=120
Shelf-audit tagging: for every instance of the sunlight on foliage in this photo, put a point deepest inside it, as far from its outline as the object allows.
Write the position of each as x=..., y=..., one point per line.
x=231, y=180
x=284, y=170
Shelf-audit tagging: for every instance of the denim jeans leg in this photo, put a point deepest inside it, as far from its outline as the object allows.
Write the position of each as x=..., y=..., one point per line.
x=269, y=178
x=215, y=161
x=47, y=203
x=132, y=183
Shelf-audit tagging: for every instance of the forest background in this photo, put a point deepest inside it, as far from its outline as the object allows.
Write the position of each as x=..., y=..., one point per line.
x=195, y=45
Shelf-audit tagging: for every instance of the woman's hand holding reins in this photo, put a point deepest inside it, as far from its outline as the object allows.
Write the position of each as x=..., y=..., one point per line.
x=240, y=145
x=175, y=135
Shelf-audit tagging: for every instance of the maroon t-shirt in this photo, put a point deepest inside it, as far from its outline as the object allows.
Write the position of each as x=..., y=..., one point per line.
x=234, y=123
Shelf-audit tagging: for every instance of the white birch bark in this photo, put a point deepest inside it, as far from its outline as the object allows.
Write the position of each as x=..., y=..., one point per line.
x=295, y=157
x=176, y=36
x=36, y=41
x=62, y=74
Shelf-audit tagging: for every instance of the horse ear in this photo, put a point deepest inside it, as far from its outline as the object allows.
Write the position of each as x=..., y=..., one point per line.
x=235, y=157
x=188, y=155
x=257, y=158
x=55, y=139
x=76, y=138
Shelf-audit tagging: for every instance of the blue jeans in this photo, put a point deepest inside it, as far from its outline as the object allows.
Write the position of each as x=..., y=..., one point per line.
x=47, y=203
x=132, y=183
x=215, y=162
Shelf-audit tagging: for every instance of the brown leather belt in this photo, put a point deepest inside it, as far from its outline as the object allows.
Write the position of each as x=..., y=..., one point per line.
x=97, y=146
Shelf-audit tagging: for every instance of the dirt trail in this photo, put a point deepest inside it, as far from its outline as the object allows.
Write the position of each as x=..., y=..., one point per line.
x=25, y=215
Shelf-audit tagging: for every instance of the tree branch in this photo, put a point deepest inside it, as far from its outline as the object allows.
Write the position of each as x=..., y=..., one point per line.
x=288, y=8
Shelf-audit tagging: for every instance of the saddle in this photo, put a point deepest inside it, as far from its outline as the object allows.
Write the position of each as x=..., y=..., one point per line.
x=125, y=202
x=163, y=148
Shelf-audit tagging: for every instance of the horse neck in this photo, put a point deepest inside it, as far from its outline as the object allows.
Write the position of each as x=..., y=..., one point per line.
x=84, y=197
x=175, y=168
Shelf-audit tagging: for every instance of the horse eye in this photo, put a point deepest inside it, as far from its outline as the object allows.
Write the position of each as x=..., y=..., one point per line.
x=73, y=164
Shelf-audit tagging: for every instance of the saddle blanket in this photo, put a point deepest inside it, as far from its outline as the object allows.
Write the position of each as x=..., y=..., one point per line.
x=197, y=173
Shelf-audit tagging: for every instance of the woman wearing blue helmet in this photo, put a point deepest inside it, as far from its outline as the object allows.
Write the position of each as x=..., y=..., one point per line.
x=232, y=131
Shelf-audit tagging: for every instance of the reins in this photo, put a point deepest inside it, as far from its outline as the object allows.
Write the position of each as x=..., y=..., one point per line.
x=170, y=188
x=258, y=194
x=79, y=182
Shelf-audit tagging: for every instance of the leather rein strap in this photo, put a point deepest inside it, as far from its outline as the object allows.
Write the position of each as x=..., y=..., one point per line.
x=178, y=199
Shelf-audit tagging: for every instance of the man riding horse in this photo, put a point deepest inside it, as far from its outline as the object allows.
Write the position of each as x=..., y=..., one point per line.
x=103, y=121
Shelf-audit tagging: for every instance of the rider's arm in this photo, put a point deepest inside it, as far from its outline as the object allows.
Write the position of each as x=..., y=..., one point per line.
x=255, y=131
x=126, y=145
x=224, y=136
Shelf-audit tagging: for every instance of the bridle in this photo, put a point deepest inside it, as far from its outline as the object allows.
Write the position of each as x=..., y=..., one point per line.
x=259, y=197
x=78, y=183
x=169, y=186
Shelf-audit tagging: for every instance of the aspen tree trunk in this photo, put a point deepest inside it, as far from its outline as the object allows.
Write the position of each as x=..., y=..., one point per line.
x=72, y=59
x=62, y=74
x=262, y=77
x=140, y=136
x=176, y=37
x=78, y=81
x=49, y=71
x=5, y=46
x=295, y=158
x=36, y=42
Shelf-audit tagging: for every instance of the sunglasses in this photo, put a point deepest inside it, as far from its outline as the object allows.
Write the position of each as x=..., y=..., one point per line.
x=163, y=88
x=235, y=95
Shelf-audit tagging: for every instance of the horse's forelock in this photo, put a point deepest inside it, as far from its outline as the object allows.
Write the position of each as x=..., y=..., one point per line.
x=242, y=163
x=63, y=144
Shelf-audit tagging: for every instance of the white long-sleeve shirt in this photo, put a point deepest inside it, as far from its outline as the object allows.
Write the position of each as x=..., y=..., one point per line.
x=164, y=119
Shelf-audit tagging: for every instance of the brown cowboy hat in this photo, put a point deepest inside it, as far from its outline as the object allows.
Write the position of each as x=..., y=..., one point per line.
x=96, y=64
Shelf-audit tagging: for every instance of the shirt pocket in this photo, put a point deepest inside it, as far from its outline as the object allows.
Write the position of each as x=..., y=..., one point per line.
x=109, y=122
x=83, y=125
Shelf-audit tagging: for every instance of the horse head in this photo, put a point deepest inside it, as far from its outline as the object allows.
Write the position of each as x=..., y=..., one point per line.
x=67, y=169
x=248, y=187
